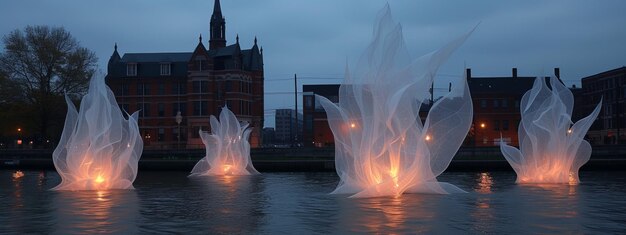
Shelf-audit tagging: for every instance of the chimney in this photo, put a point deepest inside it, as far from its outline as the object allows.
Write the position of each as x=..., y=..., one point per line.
x=514, y=72
x=557, y=73
x=468, y=73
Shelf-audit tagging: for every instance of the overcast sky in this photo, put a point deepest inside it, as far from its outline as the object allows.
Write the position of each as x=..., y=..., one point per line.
x=314, y=38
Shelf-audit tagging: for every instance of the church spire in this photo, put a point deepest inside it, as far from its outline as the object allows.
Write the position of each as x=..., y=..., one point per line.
x=217, y=9
x=218, y=28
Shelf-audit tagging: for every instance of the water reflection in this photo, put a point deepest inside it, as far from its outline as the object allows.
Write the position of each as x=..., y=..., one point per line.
x=484, y=183
x=408, y=213
x=217, y=204
x=298, y=203
x=240, y=202
x=96, y=211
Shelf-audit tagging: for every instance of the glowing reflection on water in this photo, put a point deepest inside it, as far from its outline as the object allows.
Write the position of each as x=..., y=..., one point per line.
x=96, y=211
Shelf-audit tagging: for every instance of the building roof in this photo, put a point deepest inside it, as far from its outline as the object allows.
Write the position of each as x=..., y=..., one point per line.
x=325, y=90
x=156, y=57
x=516, y=85
x=607, y=73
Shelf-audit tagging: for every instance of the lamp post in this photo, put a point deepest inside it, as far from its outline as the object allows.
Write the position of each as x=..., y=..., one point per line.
x=179, y=119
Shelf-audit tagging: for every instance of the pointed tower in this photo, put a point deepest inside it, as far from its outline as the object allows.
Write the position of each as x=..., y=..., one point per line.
x=218, y=28
x=115, y=57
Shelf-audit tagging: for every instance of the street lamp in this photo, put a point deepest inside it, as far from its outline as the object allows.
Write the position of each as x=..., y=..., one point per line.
x=179, y=119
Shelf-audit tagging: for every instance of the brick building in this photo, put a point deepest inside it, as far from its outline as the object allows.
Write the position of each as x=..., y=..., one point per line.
x=496, y=103
x=315, y=129
x=610, y=86
x=195, y=84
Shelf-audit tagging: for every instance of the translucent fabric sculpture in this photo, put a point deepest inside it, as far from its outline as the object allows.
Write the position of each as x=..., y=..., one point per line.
x=381, y=146
x=227, y=148
x=99, y=149
x=552, y=150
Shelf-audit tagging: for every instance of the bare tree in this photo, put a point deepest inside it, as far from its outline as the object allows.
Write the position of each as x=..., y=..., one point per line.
x=44, y=62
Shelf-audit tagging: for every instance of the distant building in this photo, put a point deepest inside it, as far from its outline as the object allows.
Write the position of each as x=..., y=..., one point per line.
x=316, y=131
x=287, y=130
x=610, y=87
x=197, y=84
x=268, y=137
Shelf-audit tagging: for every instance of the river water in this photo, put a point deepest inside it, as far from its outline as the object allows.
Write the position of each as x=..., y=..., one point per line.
x=299, y=203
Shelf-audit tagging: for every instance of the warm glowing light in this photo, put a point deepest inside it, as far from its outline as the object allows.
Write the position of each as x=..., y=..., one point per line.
x=18, y=174
x=19, y=129
x=385, y=147
x=99, y=179
x=87, y=156
x=227, y=168
x=547, y=112
x=227, y=147
x=482, y=125
x=19, y=142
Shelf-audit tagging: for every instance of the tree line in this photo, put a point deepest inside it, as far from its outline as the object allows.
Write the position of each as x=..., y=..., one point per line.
x=38, y=65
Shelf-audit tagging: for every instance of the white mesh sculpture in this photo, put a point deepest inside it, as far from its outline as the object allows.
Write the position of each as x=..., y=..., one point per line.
x=381, y=146
x=552, y=150
x=227, y=148
x=99, y=149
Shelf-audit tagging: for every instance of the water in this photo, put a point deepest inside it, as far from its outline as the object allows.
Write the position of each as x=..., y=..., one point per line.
x=293, y=203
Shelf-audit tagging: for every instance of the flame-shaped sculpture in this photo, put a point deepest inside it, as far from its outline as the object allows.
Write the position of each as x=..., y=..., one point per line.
x=552, y=150
x=99, y=149
x=381, y=146
x=227, y=148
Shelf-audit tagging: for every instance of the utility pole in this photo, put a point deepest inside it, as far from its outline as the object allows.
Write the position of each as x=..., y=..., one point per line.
x=295, y=96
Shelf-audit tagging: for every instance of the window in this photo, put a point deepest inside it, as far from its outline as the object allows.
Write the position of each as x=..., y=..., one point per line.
x=165, y=69
x=505, y=125
x=200, y=108
x=201, y=64
x=182, y=87
x=161, y=109
x=200, y=86
x=161, y=135
x=496, y=104
x=161, y=89
x=505, y=103
x=483, y=103
x=131, y=69
x=496, y=125
x=229, y=86
x=143, y=89
x=124, y=89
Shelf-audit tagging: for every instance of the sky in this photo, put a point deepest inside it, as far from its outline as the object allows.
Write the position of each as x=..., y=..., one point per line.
x=316, y=38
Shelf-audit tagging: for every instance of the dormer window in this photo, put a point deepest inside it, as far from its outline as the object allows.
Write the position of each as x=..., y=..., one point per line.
x=131, y=69
x=166, y=69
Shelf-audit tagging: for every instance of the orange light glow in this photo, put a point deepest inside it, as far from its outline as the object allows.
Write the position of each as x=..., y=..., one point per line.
x=428, y=138
x=18, y=174
x=352, y=125
x=227, y=168
x=99, y=179
x=569, y=131
x=482, y=125
x=19, y=142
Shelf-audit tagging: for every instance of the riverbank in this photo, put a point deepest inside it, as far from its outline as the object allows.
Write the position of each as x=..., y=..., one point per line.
x=303, y=159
